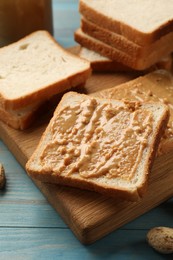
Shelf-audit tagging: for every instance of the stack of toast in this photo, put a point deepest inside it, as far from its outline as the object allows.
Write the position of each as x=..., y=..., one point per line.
x=127, y=32
x=100, y=63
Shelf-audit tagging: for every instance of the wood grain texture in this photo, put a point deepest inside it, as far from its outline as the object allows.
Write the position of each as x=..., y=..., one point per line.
x=90, y=215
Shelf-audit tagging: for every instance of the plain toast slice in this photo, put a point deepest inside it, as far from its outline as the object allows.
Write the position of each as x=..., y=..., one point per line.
x=101, y=63
x=21, y=118
x=35, y=68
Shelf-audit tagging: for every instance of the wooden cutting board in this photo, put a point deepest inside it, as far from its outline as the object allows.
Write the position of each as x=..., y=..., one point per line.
x=90, y=215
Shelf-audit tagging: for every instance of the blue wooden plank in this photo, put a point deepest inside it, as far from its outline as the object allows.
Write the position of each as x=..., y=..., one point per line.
x=29, y=215
x=65, y=4
x=60, y=244
x=66, y=21
x=21, y=203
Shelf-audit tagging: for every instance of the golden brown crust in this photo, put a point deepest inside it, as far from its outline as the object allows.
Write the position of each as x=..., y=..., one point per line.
x=109, y=37
x=136, y=36
x=22, y=122
x=81, y=184
x=105, y=65
x=131, y=61
x=104, y=49
x=114, y=66
x=18, y=122
x=120, y=42
x=159, y=131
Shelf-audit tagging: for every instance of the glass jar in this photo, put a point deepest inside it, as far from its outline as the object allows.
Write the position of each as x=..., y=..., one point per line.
x=21, y=17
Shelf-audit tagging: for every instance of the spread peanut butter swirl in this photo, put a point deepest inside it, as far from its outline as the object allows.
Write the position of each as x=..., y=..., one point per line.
x=98, y=139
x=155, y=90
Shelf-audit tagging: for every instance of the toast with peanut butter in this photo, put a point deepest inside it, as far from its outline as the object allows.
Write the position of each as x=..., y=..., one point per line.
x=153, y=87
x=101, y=145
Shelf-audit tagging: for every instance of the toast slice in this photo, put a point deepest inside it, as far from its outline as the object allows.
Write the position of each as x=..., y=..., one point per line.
x=164, y=44
x=156, y=86
x=143, y=21
x=22, y=118
x=36, y=68
x=97, y=144
x=100, y=63
x=133, y=62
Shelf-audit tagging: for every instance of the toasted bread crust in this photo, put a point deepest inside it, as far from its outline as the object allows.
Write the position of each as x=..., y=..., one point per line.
x=104, y=49
x=17, y=122
x=122, y=43
x=159, y=131
x=132, y=195
x=107, y=65
x=24, y=121
x=104, y=65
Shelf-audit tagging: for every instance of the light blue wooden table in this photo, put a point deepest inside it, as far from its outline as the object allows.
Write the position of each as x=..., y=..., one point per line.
x=29, y=226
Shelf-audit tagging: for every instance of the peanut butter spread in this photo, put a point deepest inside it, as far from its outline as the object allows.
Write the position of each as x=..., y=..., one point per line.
x=94, y=138
x=156, y=89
